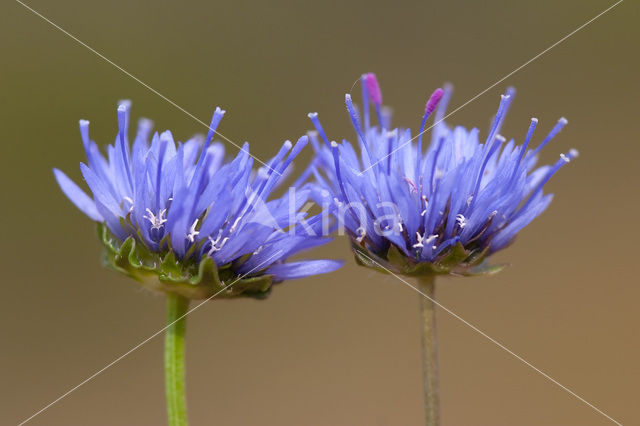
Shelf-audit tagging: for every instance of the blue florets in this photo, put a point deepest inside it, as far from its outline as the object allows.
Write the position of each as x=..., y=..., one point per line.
x=462, y=194
x=185, y=201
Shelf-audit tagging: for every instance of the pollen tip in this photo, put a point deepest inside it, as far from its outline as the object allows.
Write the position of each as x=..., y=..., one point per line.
x=434, y=100
x=288, y=144
x=573, y=153
x=563, y=120
x=263, y=173
x=220, y=111
x=501, y=138
x=83, y=123
x=535, y=120
x=334, y=144
x=371, y=82
x=124, y=104
x=312, y=115
x=145, y=123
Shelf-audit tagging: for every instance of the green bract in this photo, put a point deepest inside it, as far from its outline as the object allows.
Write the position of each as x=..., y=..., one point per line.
x=162, y=272
x=455, y=261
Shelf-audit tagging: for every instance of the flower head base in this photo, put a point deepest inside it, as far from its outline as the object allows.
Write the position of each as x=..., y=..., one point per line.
x=179, y=219
x=439, y=211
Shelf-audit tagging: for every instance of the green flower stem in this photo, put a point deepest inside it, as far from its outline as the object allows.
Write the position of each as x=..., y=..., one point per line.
x=174, y=359
x=429, y=352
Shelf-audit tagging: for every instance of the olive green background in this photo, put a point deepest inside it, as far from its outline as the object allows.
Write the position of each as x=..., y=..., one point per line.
x=340, y=349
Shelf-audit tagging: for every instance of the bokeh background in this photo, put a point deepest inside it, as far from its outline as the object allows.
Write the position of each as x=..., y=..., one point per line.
x=340, y=349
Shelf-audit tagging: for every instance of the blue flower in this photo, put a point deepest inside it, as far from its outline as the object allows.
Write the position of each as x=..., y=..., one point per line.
x=437, y=211
x=179, y=218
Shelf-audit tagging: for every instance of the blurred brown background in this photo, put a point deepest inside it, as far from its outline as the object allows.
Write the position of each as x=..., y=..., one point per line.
x=340, y=349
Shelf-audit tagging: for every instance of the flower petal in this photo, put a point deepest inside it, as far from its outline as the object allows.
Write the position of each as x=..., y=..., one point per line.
x=77, y=196
x=292, y=270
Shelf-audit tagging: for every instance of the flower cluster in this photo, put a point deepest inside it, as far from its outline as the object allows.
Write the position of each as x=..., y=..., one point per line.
x=437, y=211
x=180, y=219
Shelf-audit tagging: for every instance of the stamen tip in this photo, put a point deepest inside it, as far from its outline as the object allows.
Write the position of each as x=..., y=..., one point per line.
x=574, y=153
x=312, y=115
x=373, y=88
x=563, y=120
x=434, y=100
x=263, y=173
x=145, y=123
x=334, y=144
x=124, y=104
x=534, y=120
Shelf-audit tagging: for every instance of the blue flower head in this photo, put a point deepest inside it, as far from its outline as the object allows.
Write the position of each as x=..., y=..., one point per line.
x=178, y=218
x=442, y=210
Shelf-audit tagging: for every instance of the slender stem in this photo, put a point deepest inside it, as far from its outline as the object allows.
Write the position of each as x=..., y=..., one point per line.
x=174, y=359
x=429, y=352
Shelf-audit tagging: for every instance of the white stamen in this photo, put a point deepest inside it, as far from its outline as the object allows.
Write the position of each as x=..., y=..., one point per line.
x=191, y=236
x=361, y=234
x=431, y=238
x=130, y=201
x=423, y=212
x=214, y=244
x=157, y=222
x=420, y=238
x=574, y=153
x=469, y=200
x=235, y=224
x=462, y=221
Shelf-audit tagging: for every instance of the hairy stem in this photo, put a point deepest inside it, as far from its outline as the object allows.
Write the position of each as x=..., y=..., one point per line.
x=174, y=359
x=429, y=352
